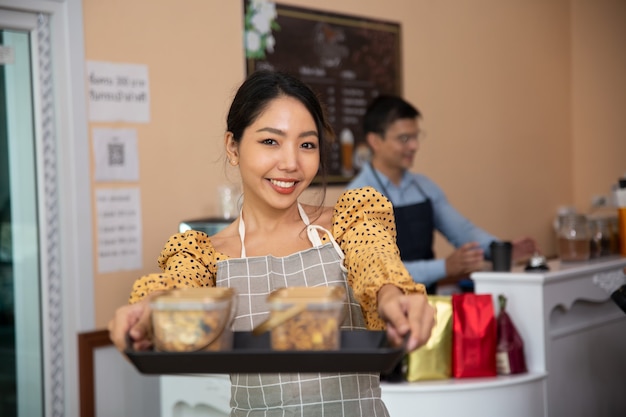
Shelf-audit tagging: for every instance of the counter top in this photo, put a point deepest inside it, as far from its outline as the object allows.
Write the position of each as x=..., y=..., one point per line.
x=558, y=270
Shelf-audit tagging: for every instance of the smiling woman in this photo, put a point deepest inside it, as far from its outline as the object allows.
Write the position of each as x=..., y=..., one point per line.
x=276, y=132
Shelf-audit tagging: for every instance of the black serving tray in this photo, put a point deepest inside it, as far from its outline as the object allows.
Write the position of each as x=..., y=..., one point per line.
x=361, y=351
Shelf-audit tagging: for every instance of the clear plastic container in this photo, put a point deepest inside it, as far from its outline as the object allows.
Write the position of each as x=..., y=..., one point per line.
x=574, y=238
x=312, y=316
x=600, y=230
x=194, y=319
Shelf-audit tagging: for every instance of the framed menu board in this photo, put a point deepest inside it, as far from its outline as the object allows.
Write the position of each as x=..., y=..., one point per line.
x=347, y=60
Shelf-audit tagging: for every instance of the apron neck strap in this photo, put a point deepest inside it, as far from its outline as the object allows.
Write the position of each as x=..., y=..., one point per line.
x=303, y=214
x=242, y=233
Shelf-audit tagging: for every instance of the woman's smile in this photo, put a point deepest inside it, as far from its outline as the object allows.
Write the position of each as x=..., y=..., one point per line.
x=282, y=186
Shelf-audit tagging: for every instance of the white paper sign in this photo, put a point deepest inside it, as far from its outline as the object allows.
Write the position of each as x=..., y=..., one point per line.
x=118, y=92
x=115, y=154
x=119, y=229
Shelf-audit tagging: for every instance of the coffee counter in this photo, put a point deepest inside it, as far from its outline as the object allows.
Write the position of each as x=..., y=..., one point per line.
x=572, y=330
x=574, y=340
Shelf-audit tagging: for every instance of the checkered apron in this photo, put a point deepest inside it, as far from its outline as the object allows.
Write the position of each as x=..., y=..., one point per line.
x=296, y=394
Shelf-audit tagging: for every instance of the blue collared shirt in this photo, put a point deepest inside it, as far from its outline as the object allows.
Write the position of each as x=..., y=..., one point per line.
x=457, y=229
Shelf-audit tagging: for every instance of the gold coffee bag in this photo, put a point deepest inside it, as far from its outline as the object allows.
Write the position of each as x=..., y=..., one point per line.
x=434, y=359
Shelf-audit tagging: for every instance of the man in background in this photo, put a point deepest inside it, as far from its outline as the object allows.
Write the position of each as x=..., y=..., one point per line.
x=392, y=133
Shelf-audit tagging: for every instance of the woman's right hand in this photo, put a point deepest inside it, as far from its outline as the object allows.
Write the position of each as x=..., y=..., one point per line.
x=133, y=320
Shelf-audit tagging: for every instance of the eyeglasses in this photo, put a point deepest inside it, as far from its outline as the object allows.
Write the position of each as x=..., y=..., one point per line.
x=404, y=139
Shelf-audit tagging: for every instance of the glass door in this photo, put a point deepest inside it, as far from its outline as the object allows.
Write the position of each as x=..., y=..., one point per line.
x=21, y=365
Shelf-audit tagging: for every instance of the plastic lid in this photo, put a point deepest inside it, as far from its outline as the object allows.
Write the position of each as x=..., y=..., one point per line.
x=307, y=295
x=204, y=298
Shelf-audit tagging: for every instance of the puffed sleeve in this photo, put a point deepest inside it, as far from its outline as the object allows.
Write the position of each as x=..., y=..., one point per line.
x=364, y=227
x=187, y=260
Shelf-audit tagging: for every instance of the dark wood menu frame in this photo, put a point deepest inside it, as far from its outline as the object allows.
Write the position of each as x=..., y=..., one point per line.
x=348, y=60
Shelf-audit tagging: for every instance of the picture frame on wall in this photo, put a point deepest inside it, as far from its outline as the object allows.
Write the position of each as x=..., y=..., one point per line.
x=348, y=60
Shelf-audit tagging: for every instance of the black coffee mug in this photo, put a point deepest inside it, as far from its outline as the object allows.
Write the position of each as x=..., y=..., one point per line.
x=501, y=255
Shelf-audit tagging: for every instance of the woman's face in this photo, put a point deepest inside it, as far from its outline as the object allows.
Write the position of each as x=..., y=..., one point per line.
x=278, y=154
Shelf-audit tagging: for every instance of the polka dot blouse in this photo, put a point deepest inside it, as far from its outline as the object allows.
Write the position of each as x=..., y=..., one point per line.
x=363, y=225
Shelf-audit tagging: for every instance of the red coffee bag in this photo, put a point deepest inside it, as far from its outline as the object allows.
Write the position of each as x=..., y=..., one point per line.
x=473, y=336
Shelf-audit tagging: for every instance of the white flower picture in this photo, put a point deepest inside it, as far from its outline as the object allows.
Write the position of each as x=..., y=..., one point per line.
x=260, y=21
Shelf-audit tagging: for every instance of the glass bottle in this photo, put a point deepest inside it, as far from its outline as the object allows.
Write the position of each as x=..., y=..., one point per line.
x=573, y=238
x=614, y=228
x=600, y=237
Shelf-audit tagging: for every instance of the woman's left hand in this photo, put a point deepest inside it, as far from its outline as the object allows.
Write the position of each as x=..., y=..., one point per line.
x=408, y=316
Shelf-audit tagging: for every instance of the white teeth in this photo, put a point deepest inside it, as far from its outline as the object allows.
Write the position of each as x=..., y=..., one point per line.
x=283, y=184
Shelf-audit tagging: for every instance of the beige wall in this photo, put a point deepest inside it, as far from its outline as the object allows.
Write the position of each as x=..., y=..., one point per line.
x=520, y=102
x=598, y=97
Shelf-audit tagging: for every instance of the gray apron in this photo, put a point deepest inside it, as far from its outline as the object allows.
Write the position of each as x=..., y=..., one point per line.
x=296, y=394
